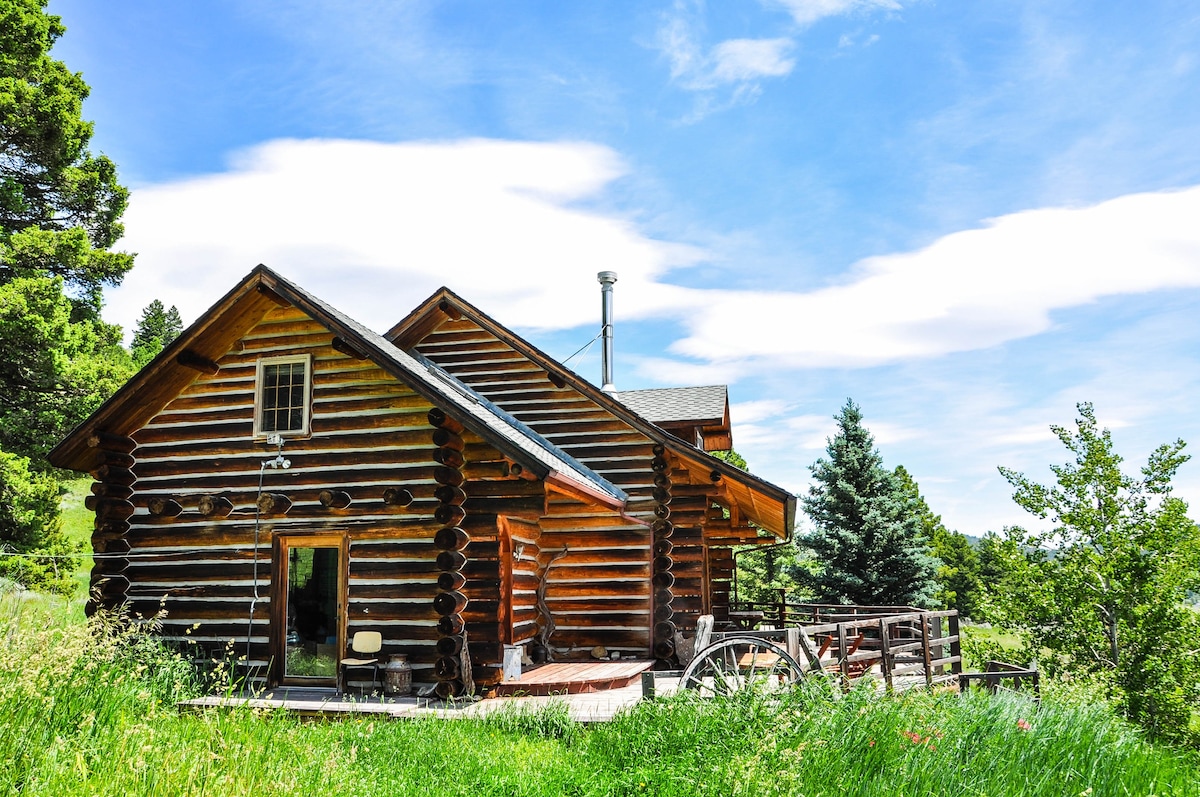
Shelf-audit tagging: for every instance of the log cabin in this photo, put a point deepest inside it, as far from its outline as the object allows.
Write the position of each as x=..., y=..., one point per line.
x=280, y=477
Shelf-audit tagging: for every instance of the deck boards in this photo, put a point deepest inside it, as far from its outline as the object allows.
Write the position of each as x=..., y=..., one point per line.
x=576, y=677
x=597, y=706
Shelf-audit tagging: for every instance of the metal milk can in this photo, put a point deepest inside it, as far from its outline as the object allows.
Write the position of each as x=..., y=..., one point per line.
x=397, y=676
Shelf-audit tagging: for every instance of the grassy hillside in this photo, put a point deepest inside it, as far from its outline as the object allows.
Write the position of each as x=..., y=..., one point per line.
x=86, y=715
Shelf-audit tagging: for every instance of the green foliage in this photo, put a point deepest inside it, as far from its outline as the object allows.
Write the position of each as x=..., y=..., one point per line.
x=60, y=205
x=958, y=568
x=30, y=525
x=1103, y=590
x=763, y=571
x=156, y=328
x=91, y=711
x=867, y=540
x=56, y=370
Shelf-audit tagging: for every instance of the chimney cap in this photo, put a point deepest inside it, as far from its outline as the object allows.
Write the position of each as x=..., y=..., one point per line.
x=607, y=277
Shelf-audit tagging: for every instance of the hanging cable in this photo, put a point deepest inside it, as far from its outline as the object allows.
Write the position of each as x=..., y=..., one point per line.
x=277, y=462
x=584, y=347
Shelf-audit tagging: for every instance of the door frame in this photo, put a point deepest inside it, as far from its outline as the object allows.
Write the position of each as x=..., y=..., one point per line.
x=281, y=545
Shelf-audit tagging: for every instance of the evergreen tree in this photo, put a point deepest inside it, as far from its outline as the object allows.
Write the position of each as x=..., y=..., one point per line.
x=60, y=207
x=867, y=539
x=958, y=563
x=156, y=328
x=30, y=524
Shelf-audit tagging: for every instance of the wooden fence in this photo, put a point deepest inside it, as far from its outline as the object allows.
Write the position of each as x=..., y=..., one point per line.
x=901, y=645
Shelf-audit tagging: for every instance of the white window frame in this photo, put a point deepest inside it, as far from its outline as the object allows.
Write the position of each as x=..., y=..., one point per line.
x=260, y=384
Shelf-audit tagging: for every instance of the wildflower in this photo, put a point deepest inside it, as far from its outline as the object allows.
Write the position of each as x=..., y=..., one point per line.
x=871, y=743
x=1023, y=725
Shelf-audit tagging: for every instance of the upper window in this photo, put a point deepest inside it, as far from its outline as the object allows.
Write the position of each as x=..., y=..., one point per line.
x=284, y=385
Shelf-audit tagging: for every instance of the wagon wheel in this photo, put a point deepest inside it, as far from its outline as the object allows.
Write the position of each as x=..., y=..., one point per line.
x=741, y=664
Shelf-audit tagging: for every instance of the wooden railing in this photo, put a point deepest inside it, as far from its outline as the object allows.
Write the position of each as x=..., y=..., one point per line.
x=1000, y=675
x=900, y=645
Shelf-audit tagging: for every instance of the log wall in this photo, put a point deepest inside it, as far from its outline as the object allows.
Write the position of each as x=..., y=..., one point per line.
x=629, y=459
x=370, y=469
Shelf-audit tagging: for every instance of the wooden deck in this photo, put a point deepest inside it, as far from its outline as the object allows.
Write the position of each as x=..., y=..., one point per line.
x=594, y=706
x=572, y=678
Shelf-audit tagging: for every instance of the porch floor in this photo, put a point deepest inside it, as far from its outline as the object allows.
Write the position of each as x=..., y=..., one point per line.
x=597, y=705
x=571, y=678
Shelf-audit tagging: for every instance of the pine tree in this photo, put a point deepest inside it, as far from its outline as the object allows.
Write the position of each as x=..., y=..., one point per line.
x=867, y=540
x=155, y=329
x=958, y=563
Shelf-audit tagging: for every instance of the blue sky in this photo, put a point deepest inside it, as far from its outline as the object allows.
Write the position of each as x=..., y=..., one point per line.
x=966, y=216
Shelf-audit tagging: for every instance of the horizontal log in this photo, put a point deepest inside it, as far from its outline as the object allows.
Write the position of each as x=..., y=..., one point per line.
x=451, y=538
x=165, y=507
x=449, y=494
x=452, y=624
x=111, y=442
x=448, y=457
x=397, y=496
x=451, y=476
x=439, y=418
x=334, y=499
x=448, y=603
x=588, y=638
x=446, y=668
x=531, y=507
x=104, y=490
x=112, y=474
x=110, y=509
x=109, y=565
x=449, y=514
x=451, y=561
x=444, y=438
x=197, y=362
x=107, y=544
x=503, y=488
x=274, y=504
x=342, y=347
x=488, y=470
x=450, y=687
x=451, y=581
x=214, y=506
x=450, y=645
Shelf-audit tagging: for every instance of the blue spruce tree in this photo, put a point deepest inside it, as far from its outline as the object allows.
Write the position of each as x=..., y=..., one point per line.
x=867, y=543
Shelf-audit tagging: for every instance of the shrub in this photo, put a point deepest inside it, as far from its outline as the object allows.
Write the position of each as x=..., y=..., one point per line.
x=31, y=534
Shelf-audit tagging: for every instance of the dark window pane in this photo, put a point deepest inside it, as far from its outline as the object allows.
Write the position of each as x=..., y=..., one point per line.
x=283, y=397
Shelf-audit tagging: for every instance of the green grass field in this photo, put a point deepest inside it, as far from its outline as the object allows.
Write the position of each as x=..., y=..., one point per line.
x=88, y=714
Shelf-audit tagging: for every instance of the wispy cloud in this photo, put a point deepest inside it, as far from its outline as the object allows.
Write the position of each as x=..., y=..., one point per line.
x=501, y=222
x=748, y=59
x=725, y=74
x=508, y=224
x=731, y=72
x=968, y=290
x=806, y=12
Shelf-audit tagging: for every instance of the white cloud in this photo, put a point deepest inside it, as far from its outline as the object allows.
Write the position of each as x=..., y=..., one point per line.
x=806, y=12
x=374, y=227
x=728, y=73
x=969, y=290
x=747, y=59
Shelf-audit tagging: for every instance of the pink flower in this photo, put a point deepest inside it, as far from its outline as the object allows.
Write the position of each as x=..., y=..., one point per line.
x=1023, y=725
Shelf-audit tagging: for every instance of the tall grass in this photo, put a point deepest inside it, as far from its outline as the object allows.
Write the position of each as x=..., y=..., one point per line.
x=92, y=712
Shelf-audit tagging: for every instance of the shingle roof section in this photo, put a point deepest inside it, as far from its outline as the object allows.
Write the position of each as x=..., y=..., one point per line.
x=668, y=404
x=465, y=399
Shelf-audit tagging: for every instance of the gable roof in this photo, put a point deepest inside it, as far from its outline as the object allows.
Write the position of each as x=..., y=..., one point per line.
x=697, y=405
x=768, y=505
x=240, y=309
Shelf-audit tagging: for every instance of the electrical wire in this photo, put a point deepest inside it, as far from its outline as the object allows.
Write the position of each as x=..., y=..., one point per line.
x=585, y=346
